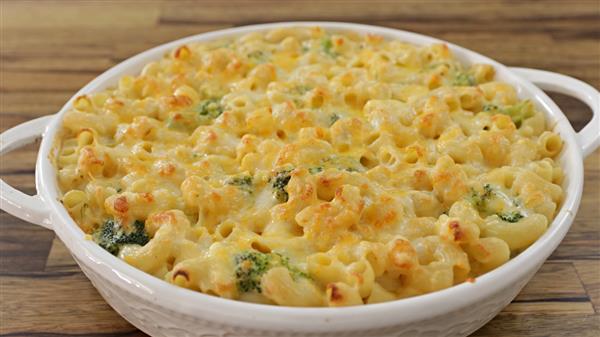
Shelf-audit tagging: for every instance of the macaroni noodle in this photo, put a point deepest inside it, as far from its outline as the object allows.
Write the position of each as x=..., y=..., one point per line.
x=305, y=167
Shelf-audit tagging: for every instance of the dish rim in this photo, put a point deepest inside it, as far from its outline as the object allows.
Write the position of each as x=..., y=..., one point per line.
x=435, y=303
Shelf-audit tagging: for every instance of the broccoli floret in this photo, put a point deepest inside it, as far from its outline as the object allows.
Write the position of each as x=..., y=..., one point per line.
x=487, y=192
x=250, y=266
x=474, y=198
x=464, y=80
x=295, y=272
x=333, y=118
x=111, y=236
x=301, y=89
x=315, y=170
x=518, y=112
x=346, y=163
x=258, y=56
x=327, y=46
x=490, y=107
x=280, y=181
x=210, y=107
x=511, y=216
x=479, y=200
x=244, y=183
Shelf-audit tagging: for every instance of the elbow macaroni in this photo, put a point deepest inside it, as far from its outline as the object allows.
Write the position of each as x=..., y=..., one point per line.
x=356, y=170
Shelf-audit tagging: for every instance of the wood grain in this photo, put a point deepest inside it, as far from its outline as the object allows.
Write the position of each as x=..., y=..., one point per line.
x=50, y=49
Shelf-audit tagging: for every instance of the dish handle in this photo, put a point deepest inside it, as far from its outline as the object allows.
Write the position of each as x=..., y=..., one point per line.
x=17, y=203
x=589, y=137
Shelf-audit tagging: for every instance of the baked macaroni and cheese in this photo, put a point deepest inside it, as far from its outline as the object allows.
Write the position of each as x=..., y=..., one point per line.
x=306, y=167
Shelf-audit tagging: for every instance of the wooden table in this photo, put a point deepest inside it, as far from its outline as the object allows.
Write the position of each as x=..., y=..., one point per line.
x=51, y=49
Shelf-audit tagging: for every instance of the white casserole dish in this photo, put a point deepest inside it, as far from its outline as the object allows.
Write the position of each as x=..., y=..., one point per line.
x=161, y=309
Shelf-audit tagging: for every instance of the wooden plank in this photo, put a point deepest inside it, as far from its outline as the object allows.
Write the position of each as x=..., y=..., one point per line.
x=94, y=43
x=578, y=245
x=20, y=161
x=21, y=81
x=487, y=12
x=59, y=259
x=22, y=182
x=576, y=111
x=541, y=325
x=555, y=281
x=19, y=107
x=56, y=303
x=62, y=64
x=115, y=14
x=23, y=246
x=550, y=308
x=589, y=273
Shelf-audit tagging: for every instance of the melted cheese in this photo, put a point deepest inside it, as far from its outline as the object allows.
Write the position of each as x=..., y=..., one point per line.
x=312, y=168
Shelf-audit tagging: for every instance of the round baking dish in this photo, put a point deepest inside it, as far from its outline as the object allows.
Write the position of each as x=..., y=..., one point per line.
x=161, y=309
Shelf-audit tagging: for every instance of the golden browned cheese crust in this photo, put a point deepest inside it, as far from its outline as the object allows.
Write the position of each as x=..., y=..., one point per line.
x=305, y=167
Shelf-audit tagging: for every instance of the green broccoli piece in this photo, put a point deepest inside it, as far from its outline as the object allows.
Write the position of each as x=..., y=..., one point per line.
x=210, y=107
x=475, y=198
x=250, y=266
x=490, y=107
x=333, y=118
x=295, y=272
x=301, y=89
x=257, y=56
x=327, y=46
x=478, y=199
x=464, y=79
x=315, y=170
x=346, y=163
x=112, y=236
x=487, y=192
x=280, y=181
x=511, y=216
x=518, y=112
x=244, y=183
